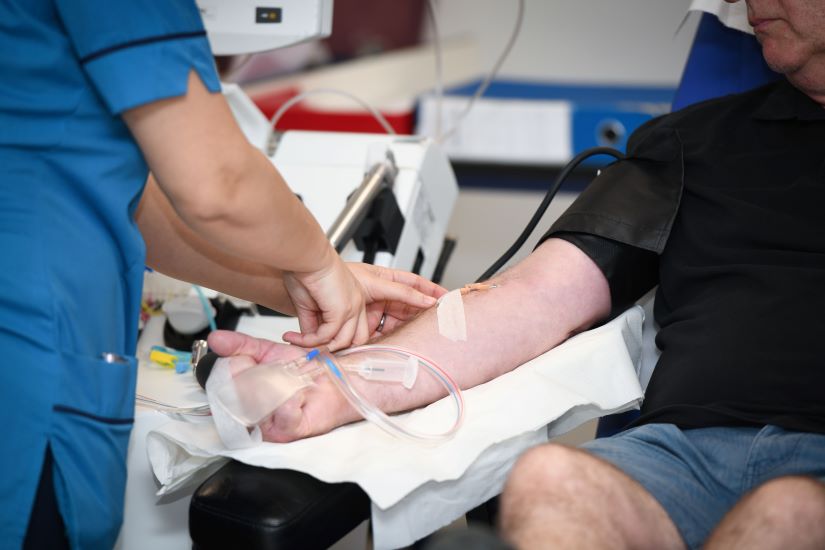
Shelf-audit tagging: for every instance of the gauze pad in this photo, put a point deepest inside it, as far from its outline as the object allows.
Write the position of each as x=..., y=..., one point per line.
x=451, y=321
x=232, y=432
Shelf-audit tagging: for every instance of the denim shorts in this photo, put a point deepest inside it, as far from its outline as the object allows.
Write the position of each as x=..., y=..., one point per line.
x=698, y=475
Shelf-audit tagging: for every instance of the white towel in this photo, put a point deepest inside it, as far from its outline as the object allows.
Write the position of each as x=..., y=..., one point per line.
x=418, y=489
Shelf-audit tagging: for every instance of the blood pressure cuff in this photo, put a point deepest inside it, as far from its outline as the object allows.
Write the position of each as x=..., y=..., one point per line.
x=622, y=220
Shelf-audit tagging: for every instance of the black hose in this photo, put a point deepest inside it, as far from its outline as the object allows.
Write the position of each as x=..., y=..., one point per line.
x=534, y=221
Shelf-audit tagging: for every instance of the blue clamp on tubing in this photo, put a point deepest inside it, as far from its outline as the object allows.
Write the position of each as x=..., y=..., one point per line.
x=314, y=353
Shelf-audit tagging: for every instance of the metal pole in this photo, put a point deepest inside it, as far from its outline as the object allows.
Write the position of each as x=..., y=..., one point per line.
x=346, y=224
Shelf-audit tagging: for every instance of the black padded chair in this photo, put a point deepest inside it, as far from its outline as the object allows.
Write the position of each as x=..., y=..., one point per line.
x=248, y=507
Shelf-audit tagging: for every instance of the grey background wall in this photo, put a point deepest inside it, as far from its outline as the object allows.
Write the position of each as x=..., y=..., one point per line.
x=605, y=41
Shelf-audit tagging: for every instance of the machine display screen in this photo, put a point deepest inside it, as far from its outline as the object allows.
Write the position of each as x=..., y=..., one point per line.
x=267, y=15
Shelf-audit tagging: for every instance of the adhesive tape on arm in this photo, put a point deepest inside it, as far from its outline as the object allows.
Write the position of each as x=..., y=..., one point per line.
x=451, y=321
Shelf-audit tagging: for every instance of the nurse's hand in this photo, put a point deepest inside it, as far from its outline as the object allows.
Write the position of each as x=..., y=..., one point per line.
x=394, y=295
x=312, y=411
x=342, y=305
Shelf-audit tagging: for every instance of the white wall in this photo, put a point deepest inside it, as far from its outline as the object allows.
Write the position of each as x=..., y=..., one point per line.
x=609, y=41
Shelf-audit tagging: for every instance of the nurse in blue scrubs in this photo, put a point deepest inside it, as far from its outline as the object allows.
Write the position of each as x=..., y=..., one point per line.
x=93, y=95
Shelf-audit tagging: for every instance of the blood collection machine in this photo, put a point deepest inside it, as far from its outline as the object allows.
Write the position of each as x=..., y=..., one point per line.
x=396, y=218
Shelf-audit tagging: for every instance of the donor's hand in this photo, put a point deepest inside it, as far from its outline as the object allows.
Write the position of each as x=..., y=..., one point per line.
x=312, y=411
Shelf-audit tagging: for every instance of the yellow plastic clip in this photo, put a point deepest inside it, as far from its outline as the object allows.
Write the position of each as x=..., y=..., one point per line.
x=162, y=358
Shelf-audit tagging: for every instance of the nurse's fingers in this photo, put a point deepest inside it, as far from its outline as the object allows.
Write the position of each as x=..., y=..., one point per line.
x=359, y=334
x=353, y=331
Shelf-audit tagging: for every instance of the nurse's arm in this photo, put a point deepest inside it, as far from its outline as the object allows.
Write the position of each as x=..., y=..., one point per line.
x=172, y=248
x=220, y=186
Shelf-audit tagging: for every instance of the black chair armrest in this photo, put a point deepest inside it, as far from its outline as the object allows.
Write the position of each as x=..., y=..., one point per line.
x=255, y=508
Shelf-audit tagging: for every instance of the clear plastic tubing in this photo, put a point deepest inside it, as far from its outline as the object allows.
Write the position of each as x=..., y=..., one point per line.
x=398, y=372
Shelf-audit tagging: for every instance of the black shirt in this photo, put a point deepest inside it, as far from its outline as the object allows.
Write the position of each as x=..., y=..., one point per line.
x=730, y=194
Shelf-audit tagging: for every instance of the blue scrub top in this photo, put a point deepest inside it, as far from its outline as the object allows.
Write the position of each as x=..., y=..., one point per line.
x=71, y=255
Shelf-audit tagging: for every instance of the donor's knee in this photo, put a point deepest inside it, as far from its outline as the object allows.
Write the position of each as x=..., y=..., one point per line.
x=791, y=499
x=546, y=470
